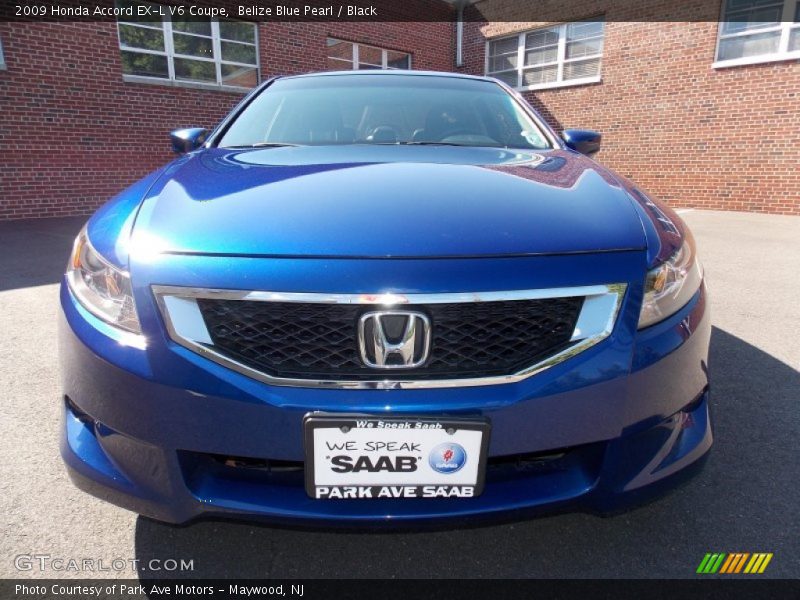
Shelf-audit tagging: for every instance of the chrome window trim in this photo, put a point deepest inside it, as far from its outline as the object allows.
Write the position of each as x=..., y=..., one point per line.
x=595, y=323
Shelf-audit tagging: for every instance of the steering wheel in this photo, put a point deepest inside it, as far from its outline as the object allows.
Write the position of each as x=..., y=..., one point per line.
x=455, y=132
x=383, y=133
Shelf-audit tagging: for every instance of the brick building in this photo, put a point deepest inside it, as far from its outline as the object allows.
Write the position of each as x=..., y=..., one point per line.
x=698, y=113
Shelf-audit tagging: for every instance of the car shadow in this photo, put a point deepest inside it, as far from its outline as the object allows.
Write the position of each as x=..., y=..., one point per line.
x=744, y=500
x=34, y=252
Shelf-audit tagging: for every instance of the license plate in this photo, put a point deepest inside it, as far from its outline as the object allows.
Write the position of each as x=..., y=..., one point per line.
x=361, y=457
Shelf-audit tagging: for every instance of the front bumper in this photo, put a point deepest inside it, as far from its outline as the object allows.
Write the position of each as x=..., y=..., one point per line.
x=606, y=429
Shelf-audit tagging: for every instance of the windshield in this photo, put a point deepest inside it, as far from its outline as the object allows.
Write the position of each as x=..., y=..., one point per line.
x=384, y=109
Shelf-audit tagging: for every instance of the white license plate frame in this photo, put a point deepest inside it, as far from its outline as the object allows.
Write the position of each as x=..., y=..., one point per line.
x=371, y=472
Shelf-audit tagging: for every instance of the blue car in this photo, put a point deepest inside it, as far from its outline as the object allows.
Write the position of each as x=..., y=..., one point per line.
x=383, y=297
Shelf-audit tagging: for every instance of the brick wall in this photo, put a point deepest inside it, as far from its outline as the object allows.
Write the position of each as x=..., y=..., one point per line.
x=689, y=134
x=73, y=134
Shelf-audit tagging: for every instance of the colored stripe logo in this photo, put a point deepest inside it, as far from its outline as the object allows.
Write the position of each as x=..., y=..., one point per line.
x=736, y=562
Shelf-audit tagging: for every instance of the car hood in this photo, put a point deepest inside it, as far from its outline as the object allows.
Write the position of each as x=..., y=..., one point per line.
x=386, y=201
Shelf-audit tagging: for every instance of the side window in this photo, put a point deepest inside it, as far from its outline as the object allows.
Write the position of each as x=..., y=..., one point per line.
x=754, y=31
x=224, y=53
x=558, y=55
x=345, y=56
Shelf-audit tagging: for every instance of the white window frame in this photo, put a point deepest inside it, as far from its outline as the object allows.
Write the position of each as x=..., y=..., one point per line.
x=561, y=59
x=786, y=27
x=354, y=61
x=171, y=55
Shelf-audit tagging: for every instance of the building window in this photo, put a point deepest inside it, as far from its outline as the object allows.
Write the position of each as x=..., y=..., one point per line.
x=343, y=56
x=567, y=54
x=2, y=57
x=754, y=31
x=220, y=53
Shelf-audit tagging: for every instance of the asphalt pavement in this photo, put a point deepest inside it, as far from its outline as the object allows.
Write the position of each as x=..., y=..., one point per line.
x=746, y=499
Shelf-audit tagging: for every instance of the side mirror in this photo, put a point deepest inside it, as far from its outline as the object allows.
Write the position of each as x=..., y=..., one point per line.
x=186, y=140
x=584, y=141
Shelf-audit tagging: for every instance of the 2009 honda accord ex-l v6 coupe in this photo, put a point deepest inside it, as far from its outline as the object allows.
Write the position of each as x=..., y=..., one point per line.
x=383, y=297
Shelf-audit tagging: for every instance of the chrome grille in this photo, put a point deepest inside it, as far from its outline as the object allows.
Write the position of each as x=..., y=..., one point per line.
x=308, y=339
x=318, y=341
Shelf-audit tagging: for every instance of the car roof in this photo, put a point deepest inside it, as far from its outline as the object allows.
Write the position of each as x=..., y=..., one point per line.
x=385, y=72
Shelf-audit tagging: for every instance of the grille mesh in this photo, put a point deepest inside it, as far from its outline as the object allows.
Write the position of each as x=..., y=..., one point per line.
x=318, y=341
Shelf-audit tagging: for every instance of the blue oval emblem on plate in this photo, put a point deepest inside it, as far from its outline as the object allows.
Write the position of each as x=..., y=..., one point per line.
x=447, y=458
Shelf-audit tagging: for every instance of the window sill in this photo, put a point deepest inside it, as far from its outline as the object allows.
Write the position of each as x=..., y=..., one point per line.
x=756, y=60
x=196, y=85
x=559, y=84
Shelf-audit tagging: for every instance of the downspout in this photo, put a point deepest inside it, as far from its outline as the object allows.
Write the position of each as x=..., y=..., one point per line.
x=460, y=32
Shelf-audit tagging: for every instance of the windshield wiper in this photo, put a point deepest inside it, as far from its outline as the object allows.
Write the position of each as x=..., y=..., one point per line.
x=466, y=145
x=420, y=144
x=264, y=145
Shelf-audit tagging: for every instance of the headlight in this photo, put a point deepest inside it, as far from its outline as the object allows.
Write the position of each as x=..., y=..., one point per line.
x=104, y=290
x=671, y=285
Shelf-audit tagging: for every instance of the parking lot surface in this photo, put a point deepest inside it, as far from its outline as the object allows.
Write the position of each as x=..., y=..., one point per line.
x=746, y=500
